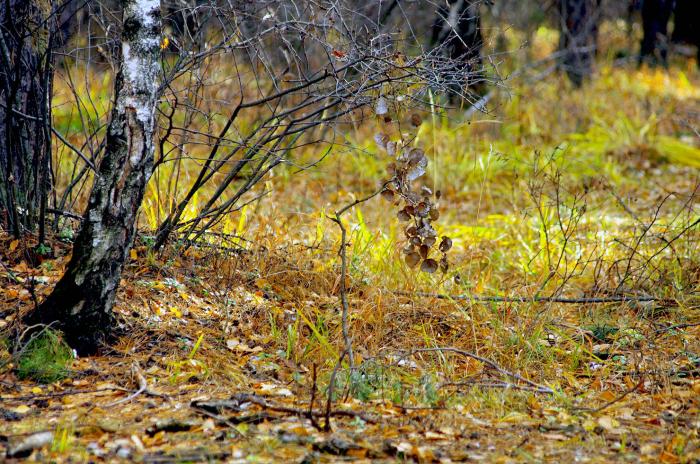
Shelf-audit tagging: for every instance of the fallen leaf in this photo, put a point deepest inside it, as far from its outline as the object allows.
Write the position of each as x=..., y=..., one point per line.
x=22, y=409
x=30, y=443
x=608, y=423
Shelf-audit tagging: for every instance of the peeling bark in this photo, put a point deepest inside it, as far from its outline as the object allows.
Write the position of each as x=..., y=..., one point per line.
x=81, y=303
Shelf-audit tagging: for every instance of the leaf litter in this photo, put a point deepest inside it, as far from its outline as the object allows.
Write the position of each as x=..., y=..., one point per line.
x=228, y=357
x=202, y=394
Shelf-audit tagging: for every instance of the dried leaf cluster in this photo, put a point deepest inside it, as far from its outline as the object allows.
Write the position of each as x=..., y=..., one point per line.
x=418, y=209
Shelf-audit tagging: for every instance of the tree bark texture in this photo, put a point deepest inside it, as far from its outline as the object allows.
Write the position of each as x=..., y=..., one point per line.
x=26, y=73
x=578, y=35
x=81, y=303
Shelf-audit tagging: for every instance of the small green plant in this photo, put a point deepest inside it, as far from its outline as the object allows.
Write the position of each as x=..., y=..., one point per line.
x=365, y=382
x=184, y=370
x=66, y=235
x=43, y=249
x=45, y=358
x=603, y=332
x=292, y=337
x=63, y=438
x=429, y=390
x=148, y=240
x=48, y=266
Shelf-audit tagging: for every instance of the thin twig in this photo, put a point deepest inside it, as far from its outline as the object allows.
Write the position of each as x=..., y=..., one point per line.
x=503, y=385
x=75, y=149
x=535, y=299
x=616, y=400
x=220, y=419
x=678, y=326
x=342, y=251
x=67, y=214
x=331, y=385
x=262, y=402
x=143, y=388
x=310, y=413
x=539, y=388
x=61, y=394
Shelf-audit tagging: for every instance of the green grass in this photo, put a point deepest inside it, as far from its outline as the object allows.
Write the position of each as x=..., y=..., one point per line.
x=46, y=358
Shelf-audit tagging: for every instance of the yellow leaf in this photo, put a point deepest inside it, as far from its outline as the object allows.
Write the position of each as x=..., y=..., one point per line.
x=176, y=312
x=357, y=453
x=134, y=254
x=36, y=390
x=696, y=387
x=13, y=245
x=23, y=409
x=607, y=395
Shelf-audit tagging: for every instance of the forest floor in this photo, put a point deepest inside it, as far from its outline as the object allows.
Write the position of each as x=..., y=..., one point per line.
x=227, y=351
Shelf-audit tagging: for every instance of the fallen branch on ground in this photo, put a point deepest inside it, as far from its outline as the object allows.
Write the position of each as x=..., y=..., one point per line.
x=143, y=388
x=502, y=385
x=240, y=398
x=535, y=299
x=616, y=400
x=43, y=396
x=536, y=387
x=678, y=326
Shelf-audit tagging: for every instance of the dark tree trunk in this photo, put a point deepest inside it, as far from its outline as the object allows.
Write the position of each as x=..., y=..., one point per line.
x=26, y=74
x=686, y=24
x=578, y=36
x=457, y=32
x=81, y=304
x=655, y=17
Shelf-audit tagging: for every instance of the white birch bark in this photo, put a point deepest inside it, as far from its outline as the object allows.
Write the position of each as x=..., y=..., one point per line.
x=82, y=301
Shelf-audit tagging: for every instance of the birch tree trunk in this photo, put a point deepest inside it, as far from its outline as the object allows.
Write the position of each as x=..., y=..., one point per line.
x=81, y=303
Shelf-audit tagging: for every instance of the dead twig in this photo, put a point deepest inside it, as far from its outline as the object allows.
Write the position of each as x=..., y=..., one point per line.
x=310, y=414
x=342, y=252
x=220, y=419
x=331, y=385
x=534, y=299
x=678, y=326
x=616, y=400
x=143, y=388
x=263, y=403
x=43, y=396
x=503, y=385
x=535, y=386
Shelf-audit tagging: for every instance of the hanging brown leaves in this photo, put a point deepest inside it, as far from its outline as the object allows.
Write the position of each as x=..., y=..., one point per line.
x=416, y=120
x=412, y=259
x=445, y=244
x=424, y=250
x=429, y=266
x=417, y=207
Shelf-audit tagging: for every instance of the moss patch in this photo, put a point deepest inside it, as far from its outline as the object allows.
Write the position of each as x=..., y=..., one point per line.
x=45, y=358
